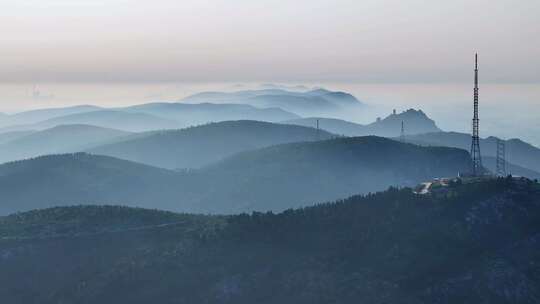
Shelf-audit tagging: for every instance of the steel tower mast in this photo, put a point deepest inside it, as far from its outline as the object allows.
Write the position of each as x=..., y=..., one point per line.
x=477, y=168
x=402, y=136
x=318, y=131
x=501, y=158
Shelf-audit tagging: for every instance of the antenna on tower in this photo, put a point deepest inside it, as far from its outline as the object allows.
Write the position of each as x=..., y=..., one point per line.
x=501, y=158
x=402, y=136
x=477, y=168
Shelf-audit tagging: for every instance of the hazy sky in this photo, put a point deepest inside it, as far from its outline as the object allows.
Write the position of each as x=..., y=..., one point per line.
x=268, y=40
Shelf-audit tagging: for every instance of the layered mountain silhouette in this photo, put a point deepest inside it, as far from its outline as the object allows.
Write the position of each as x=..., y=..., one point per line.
x=144, y=117
x=415, y=122
x=195, y=114
x=478, y=244
x=315, y=102
x=34, y=116
x=518, y=152
x=114, y=119
x=12, y=135
x=198, y=146
x=296, y=174
x=60, y=139
x=273, y=178
x=68, y=179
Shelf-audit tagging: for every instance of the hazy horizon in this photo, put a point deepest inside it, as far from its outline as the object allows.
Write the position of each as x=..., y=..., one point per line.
x=448, y=104
x=389, y=54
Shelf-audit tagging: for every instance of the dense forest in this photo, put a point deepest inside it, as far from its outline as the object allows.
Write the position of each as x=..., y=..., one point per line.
x=476, y=243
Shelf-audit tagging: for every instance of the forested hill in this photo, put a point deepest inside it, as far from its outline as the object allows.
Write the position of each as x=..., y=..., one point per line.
x=198, y=146
x=59, y=180
x=478, y=244
x=273, y=178
x=298, y=174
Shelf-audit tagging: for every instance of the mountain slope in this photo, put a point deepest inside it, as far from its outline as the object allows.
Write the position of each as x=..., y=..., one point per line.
x=68, y=179
x=35, y=116
x=518, y=152
x=273, y=178
x=60, y=139
x=478, y=246
x=198, y=146
x=11, y=135
x=156, y=116
x=133, y=122
x=298, y=174
x=334, y=125
x=195, y=114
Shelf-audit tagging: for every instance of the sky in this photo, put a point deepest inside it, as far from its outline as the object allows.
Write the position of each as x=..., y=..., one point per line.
x=370, y=41
x=388, y=53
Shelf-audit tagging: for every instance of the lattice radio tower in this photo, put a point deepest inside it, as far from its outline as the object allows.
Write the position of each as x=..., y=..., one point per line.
x=501, y=158
x=318, y=131
x=402, y=136
x=477, y=168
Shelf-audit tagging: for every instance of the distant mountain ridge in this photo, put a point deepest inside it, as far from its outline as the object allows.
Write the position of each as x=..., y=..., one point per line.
x=273, y=178
x=9, y=136
x=115, y=119
x=144, y=117
x=195, y=114
x=59, y=139
x=197, y=146
x=415, y=122
x=315, y=102
x=35, y=116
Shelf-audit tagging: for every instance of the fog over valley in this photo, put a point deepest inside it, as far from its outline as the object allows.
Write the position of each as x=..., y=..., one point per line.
x=273, y=152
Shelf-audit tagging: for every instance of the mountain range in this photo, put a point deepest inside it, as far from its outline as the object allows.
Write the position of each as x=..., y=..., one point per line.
x=414, y=121
x=145, y=117
x=183, y=148
x=477, y=244
x=59, y=139
x=272, y=178
x=195, y=147
x=314, y=102
x=272, y=105
x=35, y=116
x=195, y=114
